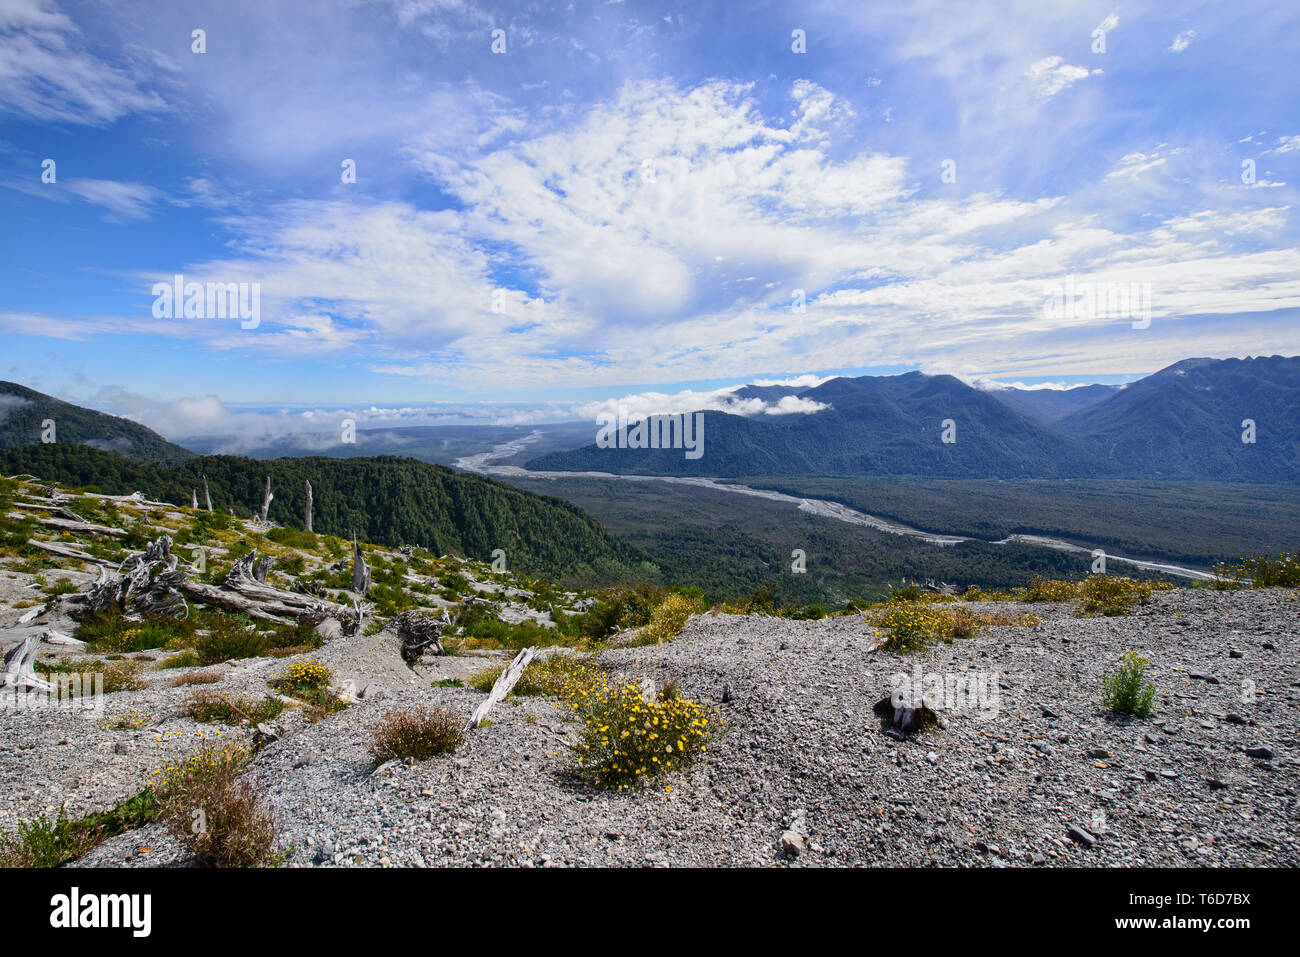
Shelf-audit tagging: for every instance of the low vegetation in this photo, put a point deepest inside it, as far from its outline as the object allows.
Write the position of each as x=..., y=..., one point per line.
x=207, y=706
x=556, y=676
x=1263, y=571
x=309, y=682
x=419, y=733
x=627, y=740
x=215, y=813
x=1125, y=692
x=909, y=626
x=45, y=843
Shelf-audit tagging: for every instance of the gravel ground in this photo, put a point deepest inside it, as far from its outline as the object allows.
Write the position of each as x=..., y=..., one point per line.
x=802, y=752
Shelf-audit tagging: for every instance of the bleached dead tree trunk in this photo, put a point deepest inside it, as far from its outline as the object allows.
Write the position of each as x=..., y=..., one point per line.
x=266, y=499
x=514, y=671
x=360, y=570
x=194, y=499
x=206, y=497
x=307, y=520
x=19, y=670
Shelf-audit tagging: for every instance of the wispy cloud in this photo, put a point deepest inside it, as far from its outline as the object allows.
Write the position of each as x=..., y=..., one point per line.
x=48, y=72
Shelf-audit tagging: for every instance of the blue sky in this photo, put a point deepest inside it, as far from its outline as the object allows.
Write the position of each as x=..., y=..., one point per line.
x=629, y=197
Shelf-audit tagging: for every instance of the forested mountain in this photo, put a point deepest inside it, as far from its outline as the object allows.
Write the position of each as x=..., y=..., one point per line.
x=1189, y=420
x=24, y=411
x=1052, y=405
x=386, y=500
x=874, y=425
x=1184, y=422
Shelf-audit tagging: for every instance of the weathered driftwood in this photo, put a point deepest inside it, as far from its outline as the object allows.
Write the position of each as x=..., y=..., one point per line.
x=146, y=583
x=19, y=667
x=307, y=520
x=266, y=500
x=60, y=510
x=207, y=499
x=233, y=601
x=82, y=528
x=509, y=677
x=52, y=637
x=66, y=551
x=242, y=580
x=360, y=570
x=943, y=588
x=420, y=634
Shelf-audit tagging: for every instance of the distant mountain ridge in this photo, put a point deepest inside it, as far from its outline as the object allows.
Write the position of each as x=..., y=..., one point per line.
x=24, y=411
x=1182, y=422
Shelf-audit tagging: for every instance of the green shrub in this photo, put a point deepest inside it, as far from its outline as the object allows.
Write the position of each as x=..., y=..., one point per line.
x=1125, y=690
x=1263, y=571
x=44, y=843
x=230, y=642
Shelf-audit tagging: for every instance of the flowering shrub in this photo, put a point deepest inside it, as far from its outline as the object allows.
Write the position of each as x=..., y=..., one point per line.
x=1263, y=571
x=205, y=803
x=303, y=676
x=626, y=739
x=669, y=617
x=1111, y=595
x=909, y=626
x=1048, y=589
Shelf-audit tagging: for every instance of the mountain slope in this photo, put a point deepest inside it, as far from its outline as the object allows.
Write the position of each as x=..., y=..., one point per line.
x=1185, y=421
x=386, y=500
x=876, y=425
x=23, y=412
x=1052, y=405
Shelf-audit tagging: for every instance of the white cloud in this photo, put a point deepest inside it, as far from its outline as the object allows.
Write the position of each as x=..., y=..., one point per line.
x=1182, y=41
x=1052, y=74
x=47, y=71
x=124, y=201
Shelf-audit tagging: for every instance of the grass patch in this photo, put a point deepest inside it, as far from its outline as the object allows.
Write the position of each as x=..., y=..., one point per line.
x=208, y=706
x=45, y=843
x=557, y=676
